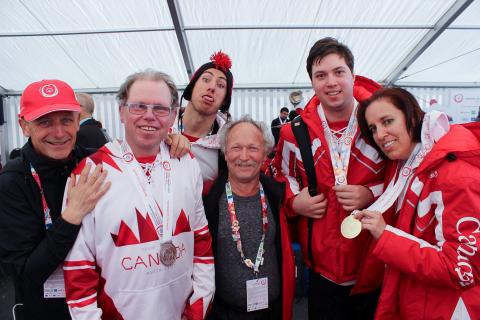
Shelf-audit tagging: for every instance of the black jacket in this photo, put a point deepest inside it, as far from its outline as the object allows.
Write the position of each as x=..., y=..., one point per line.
x=275, y=128
x=273, y=191
x=90, y=135
x=28, y=252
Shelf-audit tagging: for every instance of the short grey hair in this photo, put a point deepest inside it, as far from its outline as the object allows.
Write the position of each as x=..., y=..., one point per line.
x=86, y=102
x=148, y=74
x=261, y=126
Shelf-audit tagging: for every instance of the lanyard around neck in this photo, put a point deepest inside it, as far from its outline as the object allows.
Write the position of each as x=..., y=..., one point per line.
x=339, y=152
x=46, y=210
x=236, y=228
x=163, y=223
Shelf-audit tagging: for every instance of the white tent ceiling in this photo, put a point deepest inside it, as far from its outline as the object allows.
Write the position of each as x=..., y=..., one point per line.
x=94, y=45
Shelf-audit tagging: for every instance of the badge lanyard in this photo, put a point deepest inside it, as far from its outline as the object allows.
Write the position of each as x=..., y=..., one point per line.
x=46, y=210
x=164, y=230
x=339, y=152
x=236, y=228
x=394, y=189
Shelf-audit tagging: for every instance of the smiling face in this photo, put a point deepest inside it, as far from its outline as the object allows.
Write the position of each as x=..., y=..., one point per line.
x=209, y=92
x=145, y=132
x=387, y=125
x=244, y=153
x=53, y=135
x=333, y=81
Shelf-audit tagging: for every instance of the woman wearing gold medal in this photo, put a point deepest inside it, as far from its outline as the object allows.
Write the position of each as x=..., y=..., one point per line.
x=432, y=189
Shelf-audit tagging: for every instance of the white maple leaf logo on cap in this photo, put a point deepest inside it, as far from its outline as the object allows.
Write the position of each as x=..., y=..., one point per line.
x=49, y=90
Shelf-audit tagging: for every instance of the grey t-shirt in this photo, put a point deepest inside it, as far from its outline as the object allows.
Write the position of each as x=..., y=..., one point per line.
x=231, y=274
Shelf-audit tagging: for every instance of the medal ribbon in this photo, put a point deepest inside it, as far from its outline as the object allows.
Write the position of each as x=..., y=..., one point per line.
x=340, y=155
x=394, y=189
x=236, y=228
x=46, y=210
x=163, y=224
x=430, y=133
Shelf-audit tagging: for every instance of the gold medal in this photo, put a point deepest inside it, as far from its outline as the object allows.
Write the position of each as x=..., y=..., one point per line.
x=168, y=253
x=350, y=227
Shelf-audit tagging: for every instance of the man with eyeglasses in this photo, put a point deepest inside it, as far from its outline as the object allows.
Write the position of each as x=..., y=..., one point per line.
x=145, y=252
x=209, y=94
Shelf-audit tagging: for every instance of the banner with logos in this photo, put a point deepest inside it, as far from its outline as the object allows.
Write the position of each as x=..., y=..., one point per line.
x=464, y=105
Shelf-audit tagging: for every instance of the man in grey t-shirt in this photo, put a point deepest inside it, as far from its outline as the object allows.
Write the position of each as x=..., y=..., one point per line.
x=254, y=267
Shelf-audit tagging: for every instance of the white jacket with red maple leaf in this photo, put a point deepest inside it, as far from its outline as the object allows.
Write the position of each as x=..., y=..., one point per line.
x=114, y=270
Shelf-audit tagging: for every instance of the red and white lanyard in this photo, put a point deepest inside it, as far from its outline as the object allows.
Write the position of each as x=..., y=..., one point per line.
x=236, y=228
x=46, y=210
x=163, y=223
x=339, y=152
x=394, y=189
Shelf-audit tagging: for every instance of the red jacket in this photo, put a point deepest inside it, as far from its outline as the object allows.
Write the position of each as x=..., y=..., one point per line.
x=432, y=253
x=335, y=257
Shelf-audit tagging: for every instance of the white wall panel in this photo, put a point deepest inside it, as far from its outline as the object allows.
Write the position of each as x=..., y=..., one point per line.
x=261, y=104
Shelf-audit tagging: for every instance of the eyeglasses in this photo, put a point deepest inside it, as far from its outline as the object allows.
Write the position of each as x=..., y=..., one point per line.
x=141, y=108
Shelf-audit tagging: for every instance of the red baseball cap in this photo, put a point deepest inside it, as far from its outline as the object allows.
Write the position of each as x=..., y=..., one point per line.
x=42, y=97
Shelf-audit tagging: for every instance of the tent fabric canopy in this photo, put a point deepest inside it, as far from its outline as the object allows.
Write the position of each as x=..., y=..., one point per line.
x=93, y=45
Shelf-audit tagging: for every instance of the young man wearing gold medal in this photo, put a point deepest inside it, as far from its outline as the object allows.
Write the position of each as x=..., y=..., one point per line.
x=145, y=252
x=254, y=267
x=349, y=175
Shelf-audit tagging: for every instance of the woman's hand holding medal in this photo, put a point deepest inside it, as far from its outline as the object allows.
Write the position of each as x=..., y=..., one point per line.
x=372, y=221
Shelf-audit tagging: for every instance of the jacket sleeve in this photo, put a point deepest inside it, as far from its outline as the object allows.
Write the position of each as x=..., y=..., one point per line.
x=27, y=249
x=285, y=167
x=81, y=274
x=454, y=260
x=203, y=263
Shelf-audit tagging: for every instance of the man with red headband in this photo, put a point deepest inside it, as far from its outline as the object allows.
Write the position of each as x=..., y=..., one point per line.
x=209, y=94
x=349, y=174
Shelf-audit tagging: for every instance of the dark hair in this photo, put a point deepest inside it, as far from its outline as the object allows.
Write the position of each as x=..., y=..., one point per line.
x=402, y=100
x=222, y=62
x=323, y=48
x=284, y=109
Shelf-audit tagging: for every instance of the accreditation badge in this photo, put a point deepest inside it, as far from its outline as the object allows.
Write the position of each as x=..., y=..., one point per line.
x=257, y=294
x=54, y=286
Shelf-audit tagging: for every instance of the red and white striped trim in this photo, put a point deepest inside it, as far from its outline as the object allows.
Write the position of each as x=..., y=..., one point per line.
x=83, y=301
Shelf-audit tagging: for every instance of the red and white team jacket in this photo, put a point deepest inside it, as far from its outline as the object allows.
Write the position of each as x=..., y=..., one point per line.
x=433, y=252
x=114, y=270
x=335, y=257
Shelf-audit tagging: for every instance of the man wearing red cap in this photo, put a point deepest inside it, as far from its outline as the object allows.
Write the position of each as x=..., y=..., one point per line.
x=145, y=251
x=35, y=233
x=349, y=175
x=209, y=94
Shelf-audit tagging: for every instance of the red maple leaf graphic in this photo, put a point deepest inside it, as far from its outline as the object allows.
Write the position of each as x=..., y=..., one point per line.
x=182, y=224
x=146, y=230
